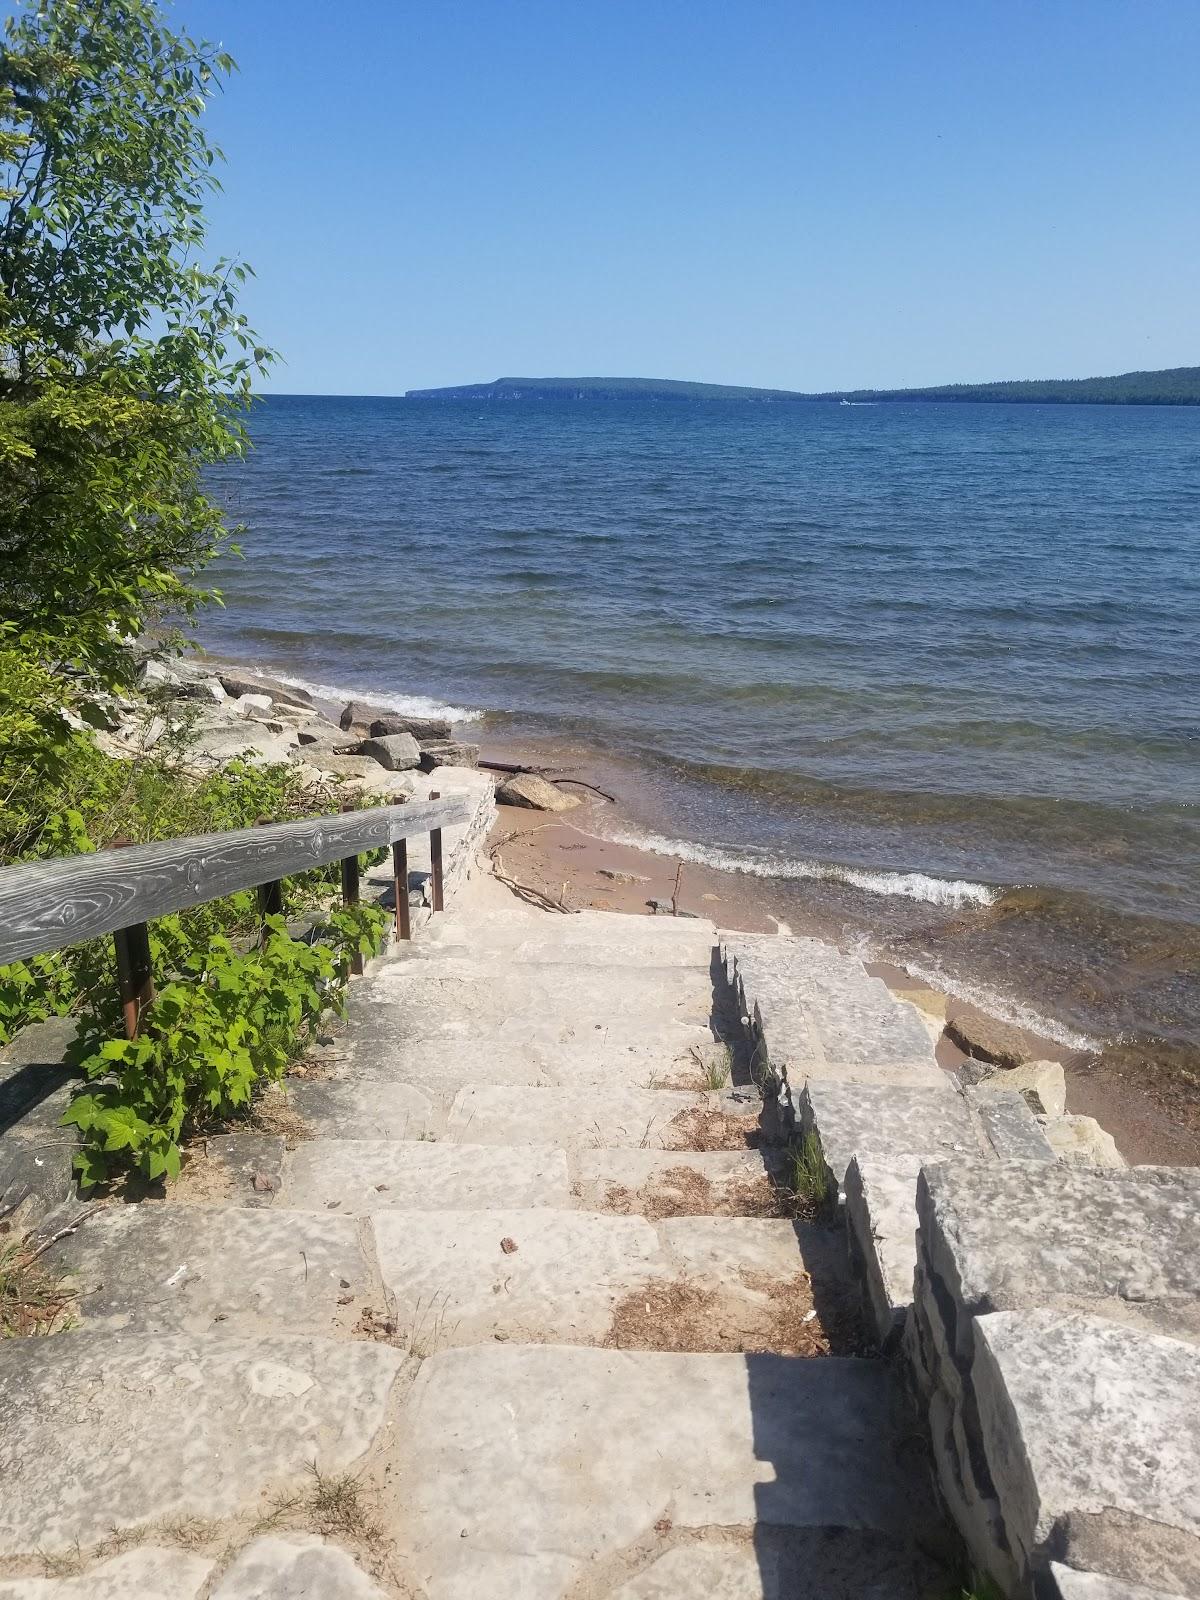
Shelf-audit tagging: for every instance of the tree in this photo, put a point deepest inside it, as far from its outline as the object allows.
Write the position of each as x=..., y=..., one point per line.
x=124, y=362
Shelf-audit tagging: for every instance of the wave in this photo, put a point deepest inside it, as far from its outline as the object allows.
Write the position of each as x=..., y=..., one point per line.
x=407, y=705
x=950, y=892
x=992, y=1001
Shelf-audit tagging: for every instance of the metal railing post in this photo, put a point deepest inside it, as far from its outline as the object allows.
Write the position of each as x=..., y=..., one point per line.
x=135, y=976
x=270, y=895
x=400, y=873
x=435, y=859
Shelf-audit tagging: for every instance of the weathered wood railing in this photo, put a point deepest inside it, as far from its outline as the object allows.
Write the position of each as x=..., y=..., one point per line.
x=48, y=904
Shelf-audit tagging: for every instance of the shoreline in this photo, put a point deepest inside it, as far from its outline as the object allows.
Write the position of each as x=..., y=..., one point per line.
x=1151, y=1107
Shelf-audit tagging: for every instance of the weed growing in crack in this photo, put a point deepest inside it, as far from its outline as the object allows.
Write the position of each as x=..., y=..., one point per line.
x=807, y=1173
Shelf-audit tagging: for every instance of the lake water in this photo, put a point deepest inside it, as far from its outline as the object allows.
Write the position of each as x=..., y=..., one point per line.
x=935, y=668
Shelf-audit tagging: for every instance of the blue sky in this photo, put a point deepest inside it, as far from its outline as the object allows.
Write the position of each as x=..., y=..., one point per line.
x=793, y=194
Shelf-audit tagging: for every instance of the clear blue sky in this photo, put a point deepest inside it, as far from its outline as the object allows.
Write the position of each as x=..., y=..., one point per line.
x=743, y=191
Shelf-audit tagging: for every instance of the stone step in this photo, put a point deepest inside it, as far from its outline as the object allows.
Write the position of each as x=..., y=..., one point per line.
x=816, y=1014
x=194, y=1268
x=580, y=1277
x=881, y=1230
x=589, y=1118
x=109, y=1431
x=587, y=939
x=525, y=1470
x=1105, y=1474
x=358, y=1176
x=888, y=1122
x=666, y=1183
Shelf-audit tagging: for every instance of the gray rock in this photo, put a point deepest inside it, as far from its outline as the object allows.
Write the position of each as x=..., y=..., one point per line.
x=989, y=1039
x=1080, y=1420
x=423, y=729
x=1042, y=1083
x=397, y=752
x=529, y=790
x=169, y=1268
x=448, y=753
x=881, y=1222
x=1027, y=1234
x=230, y=1418
x=148, y=1573
x=885, y=1121
x=249, y=741
x=326, y=736
x=1068, y=1584
x=1082, y=1142
x=238, y=684
x=37, y=1184
x=339, y=766
x=250, y=705
x=295, y=1568
x=1009, y=1126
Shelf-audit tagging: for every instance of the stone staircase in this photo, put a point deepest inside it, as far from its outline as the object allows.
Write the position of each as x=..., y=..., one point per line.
x=525, y=1312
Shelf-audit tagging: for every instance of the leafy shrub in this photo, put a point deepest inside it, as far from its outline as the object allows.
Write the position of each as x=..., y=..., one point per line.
x=228, y=1024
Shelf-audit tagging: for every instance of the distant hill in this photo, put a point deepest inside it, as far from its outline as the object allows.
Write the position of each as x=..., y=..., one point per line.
x=1176, y=386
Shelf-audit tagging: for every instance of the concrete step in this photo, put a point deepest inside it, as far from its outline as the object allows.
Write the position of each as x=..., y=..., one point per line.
x=668, y=1183
x=108, y=1431
x=358, y=1176
x=587, y=937
x=589, y=1118
x=816, y=1013
x=524, y=1470
x=888, y=1122
x=167, y=1268
x=579, y=1277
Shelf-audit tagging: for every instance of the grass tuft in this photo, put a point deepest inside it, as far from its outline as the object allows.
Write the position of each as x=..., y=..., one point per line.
x=807, y=1173
x=32, y=1300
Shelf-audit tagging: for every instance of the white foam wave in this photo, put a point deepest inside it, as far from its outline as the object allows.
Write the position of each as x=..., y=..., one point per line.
x=999, y=1005
x=950, y=892
x=408, y=705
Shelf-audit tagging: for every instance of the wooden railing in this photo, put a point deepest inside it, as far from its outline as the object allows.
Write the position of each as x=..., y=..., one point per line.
x=46, y=905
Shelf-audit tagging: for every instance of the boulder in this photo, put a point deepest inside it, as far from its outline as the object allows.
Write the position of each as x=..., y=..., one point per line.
x=527, y=789
x=397, y=752
x=351, y=766
x=989, y=1039
x=1082, y=1142
x=355, y=716
x=235, y=685
x=249, y=741
x=326, y=737
x=248, y=705
x=421, y=728
x=448, y=753
x=1042, y=1085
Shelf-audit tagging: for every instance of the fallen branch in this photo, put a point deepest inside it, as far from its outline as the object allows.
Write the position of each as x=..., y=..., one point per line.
x=32, y=1255
x=525, y=891
x=675, y=890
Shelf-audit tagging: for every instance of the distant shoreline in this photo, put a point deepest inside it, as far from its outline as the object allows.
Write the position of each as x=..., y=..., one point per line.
x=1174, y=386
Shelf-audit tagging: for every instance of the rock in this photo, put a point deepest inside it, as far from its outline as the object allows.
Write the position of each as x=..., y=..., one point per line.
x=448, y=753
x=1081, y=1422
x=885, y=1121
x=246, y=705
x=1009, y=1126
x=423, y=729
x=535, y=793
x=1082, y=1142
x=155, y=674
x=988, y=1038
x=274, y=1568
x=338, y=766
x=252, y=742
x=1072, y=1585
x=355, y=716
x=232, y=1419
x=1043, y=1085
x=881, y=1223
x=326, y=736
x=396, y=752
x=235, y=685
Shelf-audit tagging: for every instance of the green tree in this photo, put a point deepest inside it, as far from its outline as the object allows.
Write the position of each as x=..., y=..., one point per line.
x=124, y=361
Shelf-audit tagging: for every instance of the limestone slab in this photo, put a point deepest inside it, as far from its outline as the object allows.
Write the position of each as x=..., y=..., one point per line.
x=1080, y=1419
x=362, y=1175
x=587, y=1118
x=188, y=1268
x=1068, y=1584
x=683, y=1182
x=1025, y=1234
x=1082, y=1142
x=296, y=1568
x=359, y=1108
x=525, y=1466
x=228, y=1418
x=148, y=1573
x=881, y=1222
x=886, y=1121
x=790, y=1564
x=1010, y=1127
x=1042, y=1083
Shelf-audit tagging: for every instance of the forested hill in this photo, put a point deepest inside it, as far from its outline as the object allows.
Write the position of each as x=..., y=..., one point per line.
x=1175, y=386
